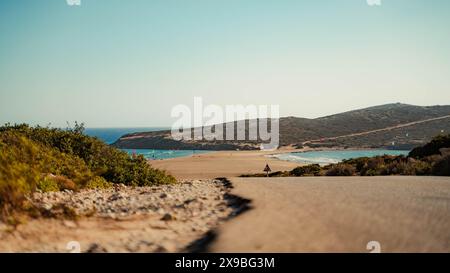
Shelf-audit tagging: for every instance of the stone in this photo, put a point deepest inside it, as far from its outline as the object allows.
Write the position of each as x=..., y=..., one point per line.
x=167, y=217
x=190, y=200
x=163, y=195
x=96, y=248
x=47, y=206
x=161, y=211
x=115, y=197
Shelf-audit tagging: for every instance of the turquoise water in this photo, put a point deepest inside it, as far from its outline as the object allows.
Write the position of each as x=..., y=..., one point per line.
x=110, y=135
x=328, y=157
x=163, y=154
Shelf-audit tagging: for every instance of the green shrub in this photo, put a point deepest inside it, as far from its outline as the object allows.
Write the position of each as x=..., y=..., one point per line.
x=56, y=183
x=53, y=159
x=442, y=167
x=313, y=169
x=16, y=178
x=358, y=163
x=112, y=164
x=373, y=166
x=341, y=169
x=420, y=167
x=431, y=148
x=46, y=184
x=278, y=174
x=390, y=165
x=98, y=183
x=380, y=165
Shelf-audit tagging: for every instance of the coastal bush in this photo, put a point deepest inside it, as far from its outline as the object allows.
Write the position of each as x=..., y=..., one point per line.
x=418, y=167
x=431, y=148
x=276, y=174
x=442, y=167
x=374, y=166
x=35, y=158
x=98, y=182
x=311, y=170
x=389, y=165
x=26, y=166
x=431, y=159
x=359, y=163
x=47, y=185
x=112, y=164
x=341, y=169
x=16, y=179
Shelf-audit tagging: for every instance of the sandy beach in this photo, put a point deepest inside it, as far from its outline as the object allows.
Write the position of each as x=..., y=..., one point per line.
x=224, y=164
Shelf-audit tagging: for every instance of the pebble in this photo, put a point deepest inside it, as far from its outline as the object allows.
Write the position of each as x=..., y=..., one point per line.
x=163, y=195
x=192, y=207
x=167, y=217
x=160, y=211
x=96, y=248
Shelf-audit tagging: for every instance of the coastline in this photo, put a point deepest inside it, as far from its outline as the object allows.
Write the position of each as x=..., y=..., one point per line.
x=325, y=149
x=233, y=163
x=223, y=164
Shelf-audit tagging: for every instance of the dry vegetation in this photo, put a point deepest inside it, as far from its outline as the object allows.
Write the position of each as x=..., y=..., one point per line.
x=44, y=159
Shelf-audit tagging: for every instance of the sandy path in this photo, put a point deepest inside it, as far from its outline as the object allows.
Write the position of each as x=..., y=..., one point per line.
x=222, y=164
x=321, y=214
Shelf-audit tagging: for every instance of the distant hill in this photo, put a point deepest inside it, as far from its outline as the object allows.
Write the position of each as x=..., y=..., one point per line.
x=388, y=126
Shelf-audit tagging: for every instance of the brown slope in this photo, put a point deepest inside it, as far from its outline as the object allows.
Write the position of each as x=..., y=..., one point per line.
x=381, y=122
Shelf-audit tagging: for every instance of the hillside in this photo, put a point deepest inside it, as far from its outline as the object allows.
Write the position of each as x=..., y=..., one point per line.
x=399, y=125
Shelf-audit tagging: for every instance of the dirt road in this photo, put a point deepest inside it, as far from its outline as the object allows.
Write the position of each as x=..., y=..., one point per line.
x=334, y=214
x=376, y=130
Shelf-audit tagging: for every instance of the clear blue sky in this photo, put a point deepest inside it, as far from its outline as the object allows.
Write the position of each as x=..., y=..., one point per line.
x=126, y=63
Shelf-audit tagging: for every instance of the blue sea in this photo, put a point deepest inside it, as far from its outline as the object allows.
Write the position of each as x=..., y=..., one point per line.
x=329, y=157
x=110, y=135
